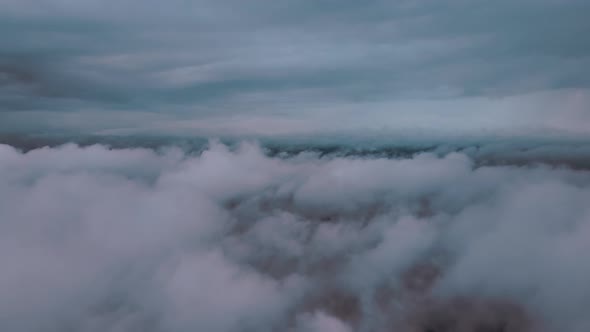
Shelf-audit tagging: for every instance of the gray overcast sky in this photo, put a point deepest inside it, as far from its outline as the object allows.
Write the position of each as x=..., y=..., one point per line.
x=289, y=66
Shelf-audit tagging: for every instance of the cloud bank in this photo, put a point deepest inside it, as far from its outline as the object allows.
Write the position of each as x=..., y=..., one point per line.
x=131, y=65
x=230, y=239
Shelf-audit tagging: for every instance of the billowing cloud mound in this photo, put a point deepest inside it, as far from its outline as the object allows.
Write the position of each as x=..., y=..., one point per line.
x=94, y=239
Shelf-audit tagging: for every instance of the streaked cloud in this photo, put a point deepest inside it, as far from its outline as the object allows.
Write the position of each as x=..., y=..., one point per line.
x=202, y=59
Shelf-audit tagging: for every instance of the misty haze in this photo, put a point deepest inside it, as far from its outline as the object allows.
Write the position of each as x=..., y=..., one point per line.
x=294, y=165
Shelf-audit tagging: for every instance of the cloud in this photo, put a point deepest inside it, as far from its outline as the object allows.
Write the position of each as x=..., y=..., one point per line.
x=230, y=239
x=291, y=59
x=322, y=322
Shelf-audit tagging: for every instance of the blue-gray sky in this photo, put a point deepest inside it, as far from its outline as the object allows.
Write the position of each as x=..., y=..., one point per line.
x=229, y=67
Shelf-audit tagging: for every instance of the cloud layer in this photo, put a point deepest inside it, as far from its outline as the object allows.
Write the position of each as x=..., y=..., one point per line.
x=136, y=65
x=97, y=239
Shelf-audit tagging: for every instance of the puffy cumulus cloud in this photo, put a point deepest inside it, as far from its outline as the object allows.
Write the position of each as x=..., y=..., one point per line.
x=231, y=239
x=322, y=322
x=293, y=64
